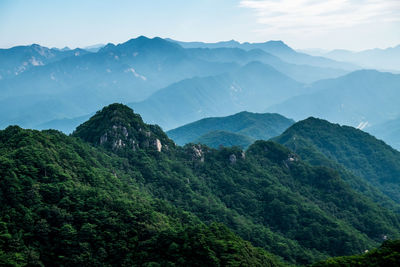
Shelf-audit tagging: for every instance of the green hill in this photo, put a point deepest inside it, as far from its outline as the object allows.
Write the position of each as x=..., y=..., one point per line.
x=119, y=192
x=362, y=154
x=256, y=126
x=67, y=203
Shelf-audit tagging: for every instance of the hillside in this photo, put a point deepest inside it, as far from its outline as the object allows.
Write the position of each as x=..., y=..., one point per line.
x=290, y=199
x=256, y=126
x=359, y=152
x=66, y=203
x=386, y=255
x=118, y=190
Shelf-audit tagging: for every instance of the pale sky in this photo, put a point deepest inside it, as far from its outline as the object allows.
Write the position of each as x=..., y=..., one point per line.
x=326, y=24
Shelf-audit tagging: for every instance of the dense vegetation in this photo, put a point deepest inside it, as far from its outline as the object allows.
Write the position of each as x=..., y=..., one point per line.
x=388, y=255
x=119, y=192
x=66, y=203
x=359, y=152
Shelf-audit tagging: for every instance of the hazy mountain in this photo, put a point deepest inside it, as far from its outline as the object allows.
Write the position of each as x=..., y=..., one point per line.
x=78, y=85
x=277, y=48
x=359, y=99
x=388, y=131
x=18, y=59
x=250, y=88
x=361, y=153
x=216, y=139
x=66, y=125
x=384, y=59
x=302, y=73
x=255, y=126
x=94, y=48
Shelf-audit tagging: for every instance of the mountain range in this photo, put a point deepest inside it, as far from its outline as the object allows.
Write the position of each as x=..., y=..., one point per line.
x=277, y=48
x=383, y=59
x=157, y=152
x=360, y=99
x=120, y=192
x=251, y=88
x=60, y=88
x=41, y=85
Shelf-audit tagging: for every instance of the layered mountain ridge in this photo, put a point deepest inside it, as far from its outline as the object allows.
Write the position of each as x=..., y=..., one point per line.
x=267, y=195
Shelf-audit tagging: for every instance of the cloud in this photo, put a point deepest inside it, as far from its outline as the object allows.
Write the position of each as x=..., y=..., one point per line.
x=302, y=16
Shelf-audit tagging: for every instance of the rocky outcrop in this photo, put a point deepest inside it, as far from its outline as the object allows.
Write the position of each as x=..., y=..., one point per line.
x=232, y=159
x=158, y=145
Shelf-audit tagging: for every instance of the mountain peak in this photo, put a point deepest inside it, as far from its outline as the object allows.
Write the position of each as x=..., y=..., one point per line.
x=143, y=43
x=117, y=127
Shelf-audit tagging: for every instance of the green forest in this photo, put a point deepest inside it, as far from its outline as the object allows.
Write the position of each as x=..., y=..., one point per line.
x=119, y=192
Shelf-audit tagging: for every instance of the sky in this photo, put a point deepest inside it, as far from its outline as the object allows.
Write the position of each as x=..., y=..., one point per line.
x=326, y=24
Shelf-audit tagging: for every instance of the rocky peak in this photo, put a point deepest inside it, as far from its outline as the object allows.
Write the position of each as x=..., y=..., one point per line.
x=117, y=127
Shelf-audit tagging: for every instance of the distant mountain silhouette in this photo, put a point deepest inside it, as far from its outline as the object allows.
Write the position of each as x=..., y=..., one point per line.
x=250, y=88
x=277, y=48
x=359, y=99
x=254, y=126
x=385, y=59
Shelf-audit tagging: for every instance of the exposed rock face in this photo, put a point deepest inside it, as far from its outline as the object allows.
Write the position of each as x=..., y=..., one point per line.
x=118, y=144
x=291, y=158
x=158, y=145
x=198, y=153
x=117, y=127
x=232, y=158
x=103, y=139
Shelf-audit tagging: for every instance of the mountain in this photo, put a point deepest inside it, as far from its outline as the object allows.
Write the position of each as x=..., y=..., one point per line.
x=221, y=185
x=67, y=203
x=361, y=98
x=384, y=59
x=78, y=85
x=18, y=59
x=251, y=88
x=118, y=191
x=94, y=48
x=277, y=48
x=389, y=131
x=65, y=125
x=362, y=154
x=255, y=126
x=300, y=72
x=216, y=139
